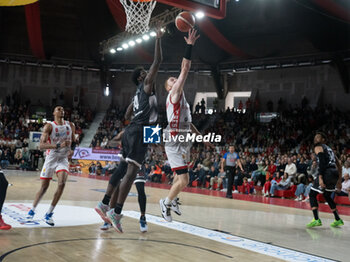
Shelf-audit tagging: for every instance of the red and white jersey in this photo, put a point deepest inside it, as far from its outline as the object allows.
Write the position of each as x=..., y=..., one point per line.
x=178, y=115
x=59, y=134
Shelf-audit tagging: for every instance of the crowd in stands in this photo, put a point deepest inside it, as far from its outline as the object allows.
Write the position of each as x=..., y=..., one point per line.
x=274, y=155
x=110, y=126
x=17, y=121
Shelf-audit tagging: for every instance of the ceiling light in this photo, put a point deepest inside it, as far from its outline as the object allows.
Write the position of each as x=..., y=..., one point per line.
x=138, y=40
x=199, y=14
x=119, y=49
x=145, y=37
x=153, y=34
x=107, y=90
x=112, y=51
x=131, y=43
x=125, y=46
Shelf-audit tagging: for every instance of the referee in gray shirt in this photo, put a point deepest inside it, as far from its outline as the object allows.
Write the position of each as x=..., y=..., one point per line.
x=229, y=163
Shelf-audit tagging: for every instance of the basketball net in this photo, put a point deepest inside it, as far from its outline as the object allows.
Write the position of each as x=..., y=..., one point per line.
x=138, y=14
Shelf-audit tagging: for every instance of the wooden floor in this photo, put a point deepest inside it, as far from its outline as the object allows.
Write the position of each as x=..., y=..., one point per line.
x=275, y=225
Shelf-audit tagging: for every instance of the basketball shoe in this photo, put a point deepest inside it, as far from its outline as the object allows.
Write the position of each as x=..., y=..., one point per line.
x=48, y=219
x=175, y=206
x=30, y=215
x=165, y=210
x=115, y=218
x=3, y=225
x=102, y=209
x=143, y=224
x=314, y=223
x=106, y=226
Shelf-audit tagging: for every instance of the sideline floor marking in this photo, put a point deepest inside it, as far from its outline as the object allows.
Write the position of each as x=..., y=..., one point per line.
x=240, y=242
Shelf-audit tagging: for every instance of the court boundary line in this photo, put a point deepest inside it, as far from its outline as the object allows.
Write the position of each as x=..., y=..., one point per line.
x=233, y=240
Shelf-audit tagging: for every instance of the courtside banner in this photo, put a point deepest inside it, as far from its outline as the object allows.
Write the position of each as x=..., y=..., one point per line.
x=96, y=154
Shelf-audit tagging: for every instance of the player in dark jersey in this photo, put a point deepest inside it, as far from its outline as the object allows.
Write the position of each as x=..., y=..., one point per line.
x=328, y=179
x=110, y=198
x=134, y=149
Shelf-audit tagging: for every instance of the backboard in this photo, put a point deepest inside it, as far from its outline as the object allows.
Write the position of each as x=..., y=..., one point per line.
x=212, y=8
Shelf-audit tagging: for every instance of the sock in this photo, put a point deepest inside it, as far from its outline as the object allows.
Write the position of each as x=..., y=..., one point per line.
x=106, y=200
x=118, y=208
x=336, y=216
x=142, y=217
x=33, y=208
x=315, y=211
x=51, y=209
x=167, y=201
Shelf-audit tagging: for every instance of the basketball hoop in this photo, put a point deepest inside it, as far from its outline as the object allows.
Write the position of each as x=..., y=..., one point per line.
x=138, y=14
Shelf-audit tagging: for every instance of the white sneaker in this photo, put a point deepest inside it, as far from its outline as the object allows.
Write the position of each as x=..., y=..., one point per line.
x=30, y=215
x=235, y=192
x=143, y=225
x=165, y=210
x=175, y=206
x=48, y=219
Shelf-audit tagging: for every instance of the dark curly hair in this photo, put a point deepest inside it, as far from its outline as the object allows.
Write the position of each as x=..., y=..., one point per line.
x=135, y=75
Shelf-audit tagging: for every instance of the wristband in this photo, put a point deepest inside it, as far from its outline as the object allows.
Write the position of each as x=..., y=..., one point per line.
x=188, y=52
x=58, y=146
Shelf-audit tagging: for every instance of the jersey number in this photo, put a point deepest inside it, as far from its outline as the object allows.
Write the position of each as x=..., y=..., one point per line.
x=136, y=103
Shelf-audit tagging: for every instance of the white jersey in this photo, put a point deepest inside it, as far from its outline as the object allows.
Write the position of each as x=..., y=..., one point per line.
x=57, y=159
x=178, y=115
x=59, y=134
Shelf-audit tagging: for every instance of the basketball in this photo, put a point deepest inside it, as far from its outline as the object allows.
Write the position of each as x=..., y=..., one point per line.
x=185, y=21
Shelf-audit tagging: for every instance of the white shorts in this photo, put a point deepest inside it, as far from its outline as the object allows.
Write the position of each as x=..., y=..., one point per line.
x=53, y=165
x=179, y=155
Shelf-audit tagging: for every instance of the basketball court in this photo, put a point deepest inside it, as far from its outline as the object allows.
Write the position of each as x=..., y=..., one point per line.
x=210, y=228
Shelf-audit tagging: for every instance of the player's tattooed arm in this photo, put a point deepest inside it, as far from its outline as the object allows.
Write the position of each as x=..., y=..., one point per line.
x=45, y=137
x=158, y=58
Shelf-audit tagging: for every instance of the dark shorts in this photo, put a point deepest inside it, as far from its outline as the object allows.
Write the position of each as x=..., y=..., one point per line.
x=330, y=179
x=134, y=150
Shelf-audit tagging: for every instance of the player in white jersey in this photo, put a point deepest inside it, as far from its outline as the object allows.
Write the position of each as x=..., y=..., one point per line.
x=179, y=123
x=58, y=138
